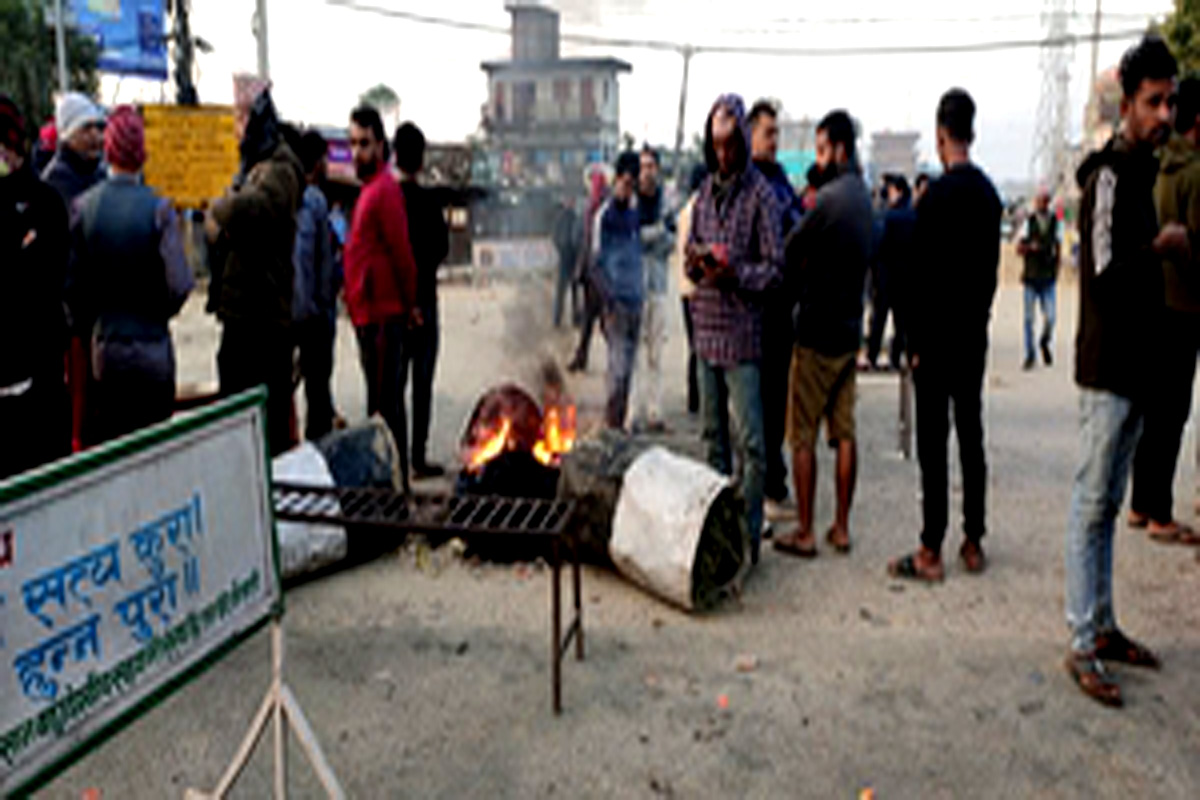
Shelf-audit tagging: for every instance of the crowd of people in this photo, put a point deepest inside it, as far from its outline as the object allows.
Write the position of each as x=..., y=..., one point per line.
x=772, y=289
x=95, y=268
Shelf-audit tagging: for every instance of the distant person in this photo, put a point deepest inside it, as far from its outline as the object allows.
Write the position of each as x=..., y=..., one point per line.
x=45, y=147
x=381, y=278
x=254, y=225
x=430, y=238
x=34, y=424
x=315, y=290
x=568, y=236
x=777, y=311
x=683, y=229
x=1177, y=197
x=808, y=199
x=954, y=273
x=1038, y=245
x=827, y=258
x=75, y=167
x=592, y=304
x=734, y=257
x=620, y=283
x=128, y=277
x=657, y=235
x=895, y=253
x=920, y=186
x=1121, y=294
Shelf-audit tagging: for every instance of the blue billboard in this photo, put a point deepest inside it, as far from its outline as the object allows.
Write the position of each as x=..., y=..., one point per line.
x=130, y=33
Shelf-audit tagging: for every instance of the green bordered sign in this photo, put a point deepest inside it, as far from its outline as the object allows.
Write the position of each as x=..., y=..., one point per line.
x=124, y=571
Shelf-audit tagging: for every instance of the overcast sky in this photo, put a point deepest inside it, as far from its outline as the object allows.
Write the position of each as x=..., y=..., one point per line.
x=323, y=57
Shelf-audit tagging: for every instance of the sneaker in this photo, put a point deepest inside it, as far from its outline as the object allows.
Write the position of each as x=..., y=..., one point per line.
x=779, y=510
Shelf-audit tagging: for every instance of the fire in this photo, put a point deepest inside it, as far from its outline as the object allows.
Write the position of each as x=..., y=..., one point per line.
x=491, y=447
x=558, y=435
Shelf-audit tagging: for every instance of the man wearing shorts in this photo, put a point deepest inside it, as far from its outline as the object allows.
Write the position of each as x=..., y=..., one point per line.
x=826, y=265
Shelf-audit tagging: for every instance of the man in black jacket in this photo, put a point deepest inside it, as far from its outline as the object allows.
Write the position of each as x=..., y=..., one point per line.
x=430, y=243
x=75, y=168
x=35, y=425
x=1121, y=300
x=957, y=257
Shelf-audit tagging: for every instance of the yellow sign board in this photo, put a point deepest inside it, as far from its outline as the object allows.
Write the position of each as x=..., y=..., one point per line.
x=191, y=152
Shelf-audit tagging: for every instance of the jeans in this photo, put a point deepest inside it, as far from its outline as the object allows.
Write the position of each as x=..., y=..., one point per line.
x=882, y=304
x=1043, y=293
x=381, y=351
x=420, y=355
x=648, y=387
x=1109, y=428
x=621, y=326
x=592, y=308
x=315, y=339
x=1167, y=410
x=565, y=284
x=940, y=381
x=252, y=354
x=731, y=403
x=693, y=382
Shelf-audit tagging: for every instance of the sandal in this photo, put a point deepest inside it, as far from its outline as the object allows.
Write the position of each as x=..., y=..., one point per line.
x=1137, y=520
x=840, y=543
x=974, y=560
x=1119, y=648
x=1175, y=533
x=795, y=545
x=1093, y=680
x=906, y=567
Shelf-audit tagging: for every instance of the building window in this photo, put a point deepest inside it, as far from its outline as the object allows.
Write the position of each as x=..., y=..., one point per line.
x=524, y=101
x=562, y=90
x=587, y=98
x=606, y=90
x=498, y=95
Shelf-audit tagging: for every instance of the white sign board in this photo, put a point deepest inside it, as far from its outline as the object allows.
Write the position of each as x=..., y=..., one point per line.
x=123, y=569
x=514, y=255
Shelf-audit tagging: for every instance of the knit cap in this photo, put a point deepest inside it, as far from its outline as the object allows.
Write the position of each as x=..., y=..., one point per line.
x=124, y=139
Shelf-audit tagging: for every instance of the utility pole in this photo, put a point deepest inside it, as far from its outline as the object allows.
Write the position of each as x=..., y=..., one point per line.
x=260, y=33
x=1093, y=106
x=185, y=56
x=60, y=41
x=1049, y=163
x=687, y=52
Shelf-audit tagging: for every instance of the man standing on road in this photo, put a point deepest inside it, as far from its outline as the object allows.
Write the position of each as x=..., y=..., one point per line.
x=430, y=245
x=568, y=235
x=381, y=278
x=658, y=241
x=777, y=311
x=1039, y=247
x=34, y=425
x=957, y=256
x=252, y=292
x=317, y=282
x=75, y=168
x=827, y=264
x=1121, y=294
x=598, y=194
x=618, y=277
x=895, y=253
x=1177, y=196
x=734, y=257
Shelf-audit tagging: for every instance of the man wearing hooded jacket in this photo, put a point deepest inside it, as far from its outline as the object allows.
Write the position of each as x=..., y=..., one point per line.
x=734, y=256
x=252, y=287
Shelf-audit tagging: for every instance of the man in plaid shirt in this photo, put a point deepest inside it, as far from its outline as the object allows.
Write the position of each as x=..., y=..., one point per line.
x=734, y=255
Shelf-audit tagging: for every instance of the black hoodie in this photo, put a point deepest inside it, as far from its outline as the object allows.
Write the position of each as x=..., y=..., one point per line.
x=1120, y=277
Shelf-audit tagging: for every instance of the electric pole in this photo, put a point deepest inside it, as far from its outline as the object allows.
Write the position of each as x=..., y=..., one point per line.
x=1093, y=106
x=687, y=52
x=1049, y=162
x=260, y=33
x=185, y=55
x=60, y=42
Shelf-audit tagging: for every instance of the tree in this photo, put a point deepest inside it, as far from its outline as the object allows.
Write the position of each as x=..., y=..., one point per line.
x=382, y=97
x=1181, y=29
x=29, y=59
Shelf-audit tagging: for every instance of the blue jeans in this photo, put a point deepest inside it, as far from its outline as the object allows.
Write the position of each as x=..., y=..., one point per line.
x=621, y=327
x=731, y=408
x=1109, y=429
x=1043, y=293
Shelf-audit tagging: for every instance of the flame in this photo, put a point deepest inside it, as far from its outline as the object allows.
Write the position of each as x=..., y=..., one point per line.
x=558, y=435
x=493, y=446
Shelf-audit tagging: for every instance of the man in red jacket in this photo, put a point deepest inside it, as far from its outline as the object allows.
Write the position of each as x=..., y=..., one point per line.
x=381, y=277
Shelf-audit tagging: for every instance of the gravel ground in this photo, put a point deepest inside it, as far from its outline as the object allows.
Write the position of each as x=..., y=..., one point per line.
x=433, y=682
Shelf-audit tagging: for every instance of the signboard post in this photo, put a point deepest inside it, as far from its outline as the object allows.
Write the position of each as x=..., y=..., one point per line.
x=124, y=572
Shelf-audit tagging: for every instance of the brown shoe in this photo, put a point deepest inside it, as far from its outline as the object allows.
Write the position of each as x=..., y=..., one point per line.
x=924, y=566
x=1093, y=679
x=1120, y=649
x=972, y=556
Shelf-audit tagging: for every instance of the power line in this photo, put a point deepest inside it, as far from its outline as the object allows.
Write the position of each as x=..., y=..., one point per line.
x=1067, y=40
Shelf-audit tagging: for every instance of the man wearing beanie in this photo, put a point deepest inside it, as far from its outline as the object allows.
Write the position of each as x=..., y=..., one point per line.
x=127, y=277
x=34, y=423
x=254, y=228
x=75, y=168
